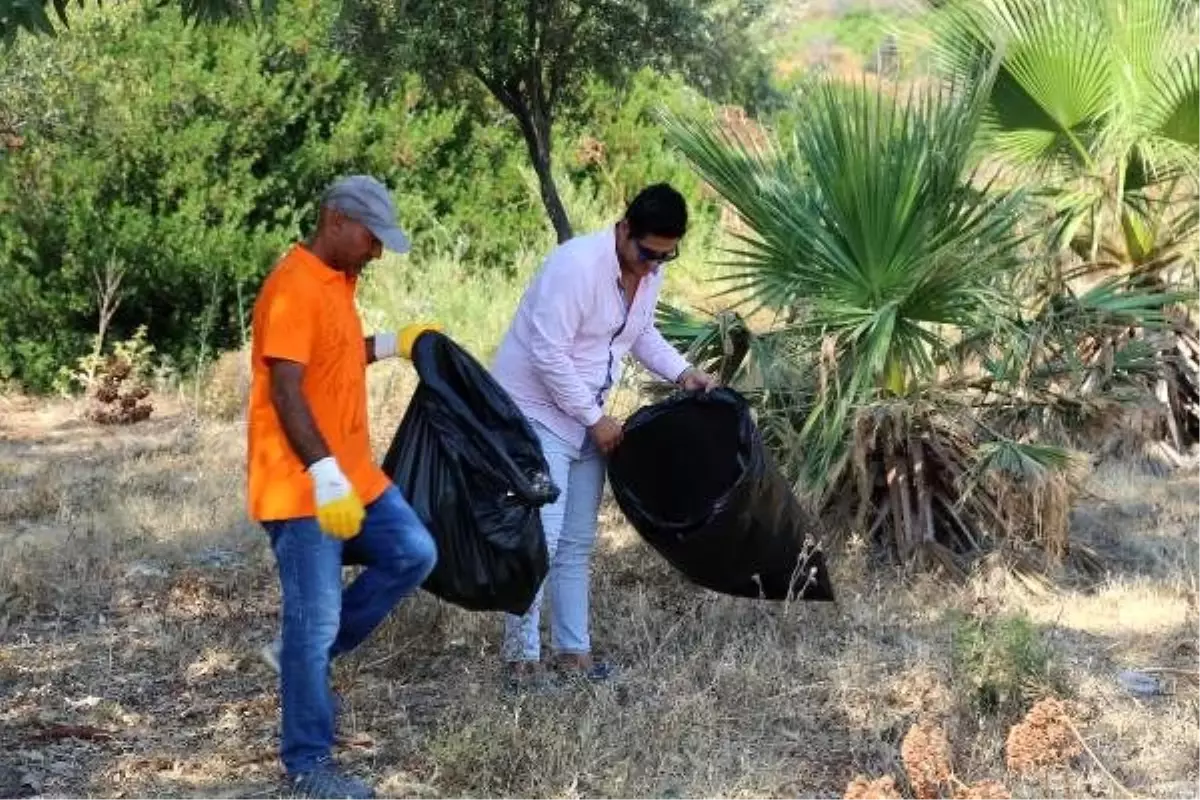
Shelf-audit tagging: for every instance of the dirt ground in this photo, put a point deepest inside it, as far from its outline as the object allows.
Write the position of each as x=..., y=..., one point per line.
x=134, y=595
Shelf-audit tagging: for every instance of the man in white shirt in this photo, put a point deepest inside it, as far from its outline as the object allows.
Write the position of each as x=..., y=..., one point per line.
x=592, y=302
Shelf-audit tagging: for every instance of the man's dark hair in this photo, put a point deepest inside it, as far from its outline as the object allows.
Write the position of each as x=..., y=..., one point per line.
x=657, y=210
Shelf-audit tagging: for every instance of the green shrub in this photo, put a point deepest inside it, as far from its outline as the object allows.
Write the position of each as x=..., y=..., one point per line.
x=612, y=142
x=1000, y=661
x=191, y=157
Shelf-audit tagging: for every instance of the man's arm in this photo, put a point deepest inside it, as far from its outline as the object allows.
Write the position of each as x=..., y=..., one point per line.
x=555, y=318
x=294, y=415
x=657, y=355
x=339, y=511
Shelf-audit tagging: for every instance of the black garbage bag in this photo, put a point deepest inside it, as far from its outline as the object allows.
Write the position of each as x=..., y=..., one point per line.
x=693, y=478
x=472, y=468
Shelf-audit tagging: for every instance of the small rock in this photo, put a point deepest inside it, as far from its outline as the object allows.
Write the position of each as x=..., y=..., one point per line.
x=1140, y=683
x=219, y=557
x=31, y=781
x=144, y=569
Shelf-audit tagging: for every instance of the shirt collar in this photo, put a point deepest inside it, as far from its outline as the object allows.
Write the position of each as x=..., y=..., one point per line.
x=610, y=251
x=318, y=269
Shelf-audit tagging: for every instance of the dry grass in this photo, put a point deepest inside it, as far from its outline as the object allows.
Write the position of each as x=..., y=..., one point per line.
x=134, y=593
x=862, y=788
x=224, y=389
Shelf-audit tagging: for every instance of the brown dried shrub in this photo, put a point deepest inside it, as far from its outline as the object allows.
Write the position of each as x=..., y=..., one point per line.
x=118, y=384
x=983, y=790
x=1043, y=738
x=863, y=788
x=925, y=752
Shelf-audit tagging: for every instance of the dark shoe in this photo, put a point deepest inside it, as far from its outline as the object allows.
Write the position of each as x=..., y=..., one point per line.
x=599, y=671
x=326, y=782
x=595, y=671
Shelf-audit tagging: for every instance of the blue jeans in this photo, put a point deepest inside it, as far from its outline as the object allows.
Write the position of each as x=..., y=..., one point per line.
x=570, y=527
x=321, y=621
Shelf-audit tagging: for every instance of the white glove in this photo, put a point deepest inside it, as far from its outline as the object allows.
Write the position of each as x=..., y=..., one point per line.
x=400, y=343
x=339, y=511
x=385, y=345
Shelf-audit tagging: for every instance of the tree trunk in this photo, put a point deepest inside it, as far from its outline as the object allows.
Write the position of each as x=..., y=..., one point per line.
x=535, y=127
x=531, y=110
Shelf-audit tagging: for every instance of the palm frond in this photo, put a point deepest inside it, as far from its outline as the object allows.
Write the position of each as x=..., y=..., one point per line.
x=1054, y=86
x=868, y=230
x=1116, y=302
x=1084, y=87
x=718, y=343
x=875, y=226
x=1173, y=112
x=1028, y=463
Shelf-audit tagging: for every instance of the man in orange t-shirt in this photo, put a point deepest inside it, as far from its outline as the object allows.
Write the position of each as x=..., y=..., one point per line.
x=313, y=483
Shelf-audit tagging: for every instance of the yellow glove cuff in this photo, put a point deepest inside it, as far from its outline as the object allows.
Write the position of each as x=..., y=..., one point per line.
x=407, y=336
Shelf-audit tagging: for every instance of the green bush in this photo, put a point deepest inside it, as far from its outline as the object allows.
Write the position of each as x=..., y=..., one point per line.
x=185, y=156
x=185, y=159
x=612, y=142
x=1000, y=661
x=190, y=158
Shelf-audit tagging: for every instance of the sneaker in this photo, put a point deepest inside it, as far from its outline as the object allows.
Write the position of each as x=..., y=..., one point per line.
x=594, y=670
x=271, y=653
x=326, y=781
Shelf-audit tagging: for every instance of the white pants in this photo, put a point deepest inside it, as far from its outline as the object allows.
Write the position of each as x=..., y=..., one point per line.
x=570, y=526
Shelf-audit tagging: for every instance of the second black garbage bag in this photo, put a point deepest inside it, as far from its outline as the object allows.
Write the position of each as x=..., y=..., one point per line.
x=472, y=468
x=694, y=479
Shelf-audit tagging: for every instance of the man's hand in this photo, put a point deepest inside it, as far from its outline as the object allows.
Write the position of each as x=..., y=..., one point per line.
x=607, y=433
x=339, y=511
x=409, y=333
x=695, y=380
x=400, y=343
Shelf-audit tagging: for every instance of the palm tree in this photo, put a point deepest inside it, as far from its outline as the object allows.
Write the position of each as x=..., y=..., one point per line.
x=1097, y=104
x=895, y=272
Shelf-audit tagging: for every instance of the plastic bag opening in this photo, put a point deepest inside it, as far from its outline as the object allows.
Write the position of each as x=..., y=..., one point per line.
x=695, y=480
x=682, y=465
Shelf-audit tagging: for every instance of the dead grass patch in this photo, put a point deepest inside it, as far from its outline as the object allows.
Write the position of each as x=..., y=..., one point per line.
x=140, y=612
x=223, y=390
x=863, y=788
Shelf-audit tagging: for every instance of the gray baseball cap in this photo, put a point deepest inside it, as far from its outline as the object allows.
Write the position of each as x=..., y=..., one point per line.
x=366, y=200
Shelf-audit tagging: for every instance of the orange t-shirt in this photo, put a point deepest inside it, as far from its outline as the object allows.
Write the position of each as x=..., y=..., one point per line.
x=305, y=313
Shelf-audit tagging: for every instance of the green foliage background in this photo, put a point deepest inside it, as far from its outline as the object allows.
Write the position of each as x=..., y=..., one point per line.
x=189, y=157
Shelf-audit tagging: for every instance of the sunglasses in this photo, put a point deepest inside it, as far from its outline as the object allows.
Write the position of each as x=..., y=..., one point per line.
x=646, y=254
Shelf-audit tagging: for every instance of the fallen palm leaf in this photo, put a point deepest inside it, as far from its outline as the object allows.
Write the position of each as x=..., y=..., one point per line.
x=85, y=732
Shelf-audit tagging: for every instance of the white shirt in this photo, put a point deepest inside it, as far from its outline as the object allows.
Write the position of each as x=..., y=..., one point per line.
x=565, y=347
